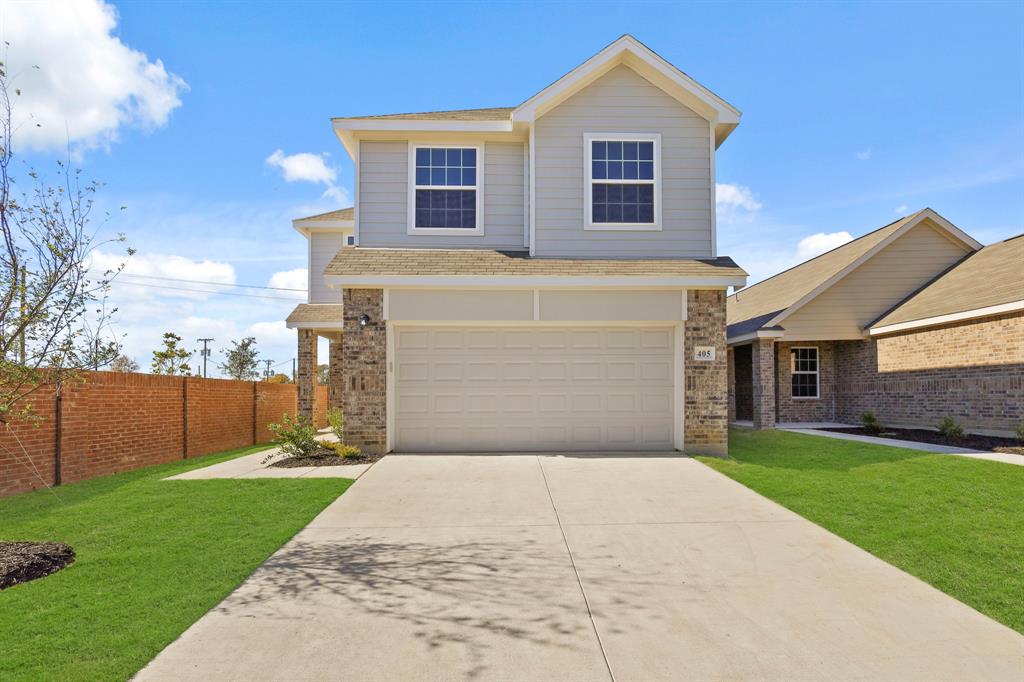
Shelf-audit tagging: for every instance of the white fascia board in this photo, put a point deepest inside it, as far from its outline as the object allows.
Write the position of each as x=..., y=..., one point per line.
x=927, y=213
x=321, y=326
x=519, y=281
x=346, y=129
x=631, y=52
x=987, y=311
x=760, y=334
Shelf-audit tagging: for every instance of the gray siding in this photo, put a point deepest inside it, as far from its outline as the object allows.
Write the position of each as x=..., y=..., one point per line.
x=623, y=101
x=322, y=248
x=383, y=198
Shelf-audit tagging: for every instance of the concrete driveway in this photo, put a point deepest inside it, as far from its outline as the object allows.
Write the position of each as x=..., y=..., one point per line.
x=578, y=568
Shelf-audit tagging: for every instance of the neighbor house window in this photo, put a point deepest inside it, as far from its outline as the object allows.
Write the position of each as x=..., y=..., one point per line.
x=803, y=366
x=622, y=181
x=445, y=184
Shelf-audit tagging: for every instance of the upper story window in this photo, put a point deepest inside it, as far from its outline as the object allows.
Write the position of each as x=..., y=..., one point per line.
x=623, y=181
x=445, y=190
x=803, y=366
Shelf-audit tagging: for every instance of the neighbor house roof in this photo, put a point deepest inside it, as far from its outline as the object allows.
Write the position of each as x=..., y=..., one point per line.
x=988, y=281
x=367, y=266
x=315, y=316
x=764, y=305
x=490, y=114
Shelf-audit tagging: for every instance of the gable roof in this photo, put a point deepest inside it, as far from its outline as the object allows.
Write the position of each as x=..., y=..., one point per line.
x=642, y=59
x=339, y=214
x=989, y=279
x=342, y=219
x=625, y=50
x=767, y=303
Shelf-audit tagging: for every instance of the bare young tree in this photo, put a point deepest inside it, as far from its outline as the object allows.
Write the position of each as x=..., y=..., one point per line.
x=52, y=309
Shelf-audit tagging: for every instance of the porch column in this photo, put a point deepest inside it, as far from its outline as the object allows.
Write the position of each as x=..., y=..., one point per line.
x=762, y=358
x=305, y=378
x=335, y=379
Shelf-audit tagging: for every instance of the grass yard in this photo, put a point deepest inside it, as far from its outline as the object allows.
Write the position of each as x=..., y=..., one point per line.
x=153, y=556
x=954, y=522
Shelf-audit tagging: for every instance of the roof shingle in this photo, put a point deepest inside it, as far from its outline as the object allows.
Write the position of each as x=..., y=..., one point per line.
x=328, y=314
x=477, y=262
x=489, y=114
x=339, y=214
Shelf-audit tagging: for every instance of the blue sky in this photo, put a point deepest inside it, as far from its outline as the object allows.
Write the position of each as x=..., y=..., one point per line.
x=853, y=114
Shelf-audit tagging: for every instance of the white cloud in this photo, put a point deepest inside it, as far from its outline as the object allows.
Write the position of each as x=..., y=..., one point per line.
x=303, y=167
x=821, y=242
x=901, y=209
x=271, y=334
x=149, y=275
x=863, y=155
x=79, y=83
x=731, y=197
x=290, y=279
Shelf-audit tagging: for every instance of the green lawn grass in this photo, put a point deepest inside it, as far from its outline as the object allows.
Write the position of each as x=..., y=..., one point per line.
x=954, y=522
x=152, y=557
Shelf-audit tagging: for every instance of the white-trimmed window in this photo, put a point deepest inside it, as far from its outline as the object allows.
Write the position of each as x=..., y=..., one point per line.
x=803, y=367
x=622, y=174
x=445, y=189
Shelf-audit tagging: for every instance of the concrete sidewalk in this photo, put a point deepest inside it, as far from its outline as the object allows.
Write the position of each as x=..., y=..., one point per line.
x=578, y=568
x=1003, y=457
x=252, y=466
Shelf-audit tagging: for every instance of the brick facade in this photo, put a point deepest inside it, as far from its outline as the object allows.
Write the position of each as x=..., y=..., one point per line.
x=971, y=370
x=762, y=383
x=336, y=379
x=820, y=409
x=706, y=403
x=363, y=366
x=114, y=422
x=305, y=372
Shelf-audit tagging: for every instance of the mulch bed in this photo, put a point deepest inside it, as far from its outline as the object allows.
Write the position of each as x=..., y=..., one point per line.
x=973, y=441
x=328, y=459
x=24, y=561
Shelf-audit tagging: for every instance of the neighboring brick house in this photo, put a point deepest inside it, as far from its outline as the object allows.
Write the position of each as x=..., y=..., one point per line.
x=914, y=322
x=538, y=277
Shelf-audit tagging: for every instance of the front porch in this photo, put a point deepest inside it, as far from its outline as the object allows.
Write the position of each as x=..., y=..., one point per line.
x=311, y=322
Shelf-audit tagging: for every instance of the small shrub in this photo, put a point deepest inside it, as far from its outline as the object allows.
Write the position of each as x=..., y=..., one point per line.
x=950, y=428
x=295, y=436
x=871, y=423
x=345, y=451
x=336, y=420
x=1020, y=431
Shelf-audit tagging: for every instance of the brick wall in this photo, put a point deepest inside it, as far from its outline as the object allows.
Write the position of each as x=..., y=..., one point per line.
x=820, y=409
x=115, y=422
x=706, y=407
x=364, y=356
x=971, y=370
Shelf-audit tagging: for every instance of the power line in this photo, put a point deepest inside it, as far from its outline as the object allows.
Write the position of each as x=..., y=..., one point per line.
x=199, y=281
x=208, y=291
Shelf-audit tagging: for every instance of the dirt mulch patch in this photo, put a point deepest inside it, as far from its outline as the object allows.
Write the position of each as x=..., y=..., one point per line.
x=973, y=441
x=24, y=561
x=328, y=458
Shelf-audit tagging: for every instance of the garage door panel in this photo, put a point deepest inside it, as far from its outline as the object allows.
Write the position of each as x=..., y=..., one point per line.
x=507, y=389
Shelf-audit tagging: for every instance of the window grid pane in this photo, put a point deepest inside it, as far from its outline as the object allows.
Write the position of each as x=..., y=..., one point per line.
x=445, y=167
x=630, y=198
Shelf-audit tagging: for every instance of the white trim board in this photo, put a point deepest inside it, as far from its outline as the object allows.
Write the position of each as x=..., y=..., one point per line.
x=987, y=311
x=527, y=282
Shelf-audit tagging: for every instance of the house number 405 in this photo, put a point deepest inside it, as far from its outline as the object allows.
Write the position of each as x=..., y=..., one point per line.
x=704, y=353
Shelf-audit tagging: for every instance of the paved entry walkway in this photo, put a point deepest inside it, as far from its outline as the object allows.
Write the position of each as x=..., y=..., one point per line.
x=578, y=568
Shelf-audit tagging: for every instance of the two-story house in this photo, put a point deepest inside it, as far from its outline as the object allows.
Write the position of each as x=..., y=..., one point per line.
x=537, y=277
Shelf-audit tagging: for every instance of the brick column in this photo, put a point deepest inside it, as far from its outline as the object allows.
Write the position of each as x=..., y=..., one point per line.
x=706, y=401
x=363, y=367
x=305, y=379
x=762, y=359
x=335, y=377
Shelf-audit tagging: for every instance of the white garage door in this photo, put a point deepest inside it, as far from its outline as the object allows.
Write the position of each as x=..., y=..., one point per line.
x=521, y=388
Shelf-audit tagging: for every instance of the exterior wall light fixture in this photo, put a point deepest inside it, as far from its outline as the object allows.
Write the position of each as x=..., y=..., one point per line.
x=364, y=320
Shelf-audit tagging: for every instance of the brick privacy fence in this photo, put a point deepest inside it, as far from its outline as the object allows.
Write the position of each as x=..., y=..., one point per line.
x=116, y=421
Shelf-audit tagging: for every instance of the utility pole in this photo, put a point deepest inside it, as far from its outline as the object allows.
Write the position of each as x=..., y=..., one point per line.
x=205, y=353
x=267, y=373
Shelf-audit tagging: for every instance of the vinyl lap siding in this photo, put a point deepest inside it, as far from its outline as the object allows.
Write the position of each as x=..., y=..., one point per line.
x=322, y=249
x=876, y=286
x=383, y=198
x=623, y=101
